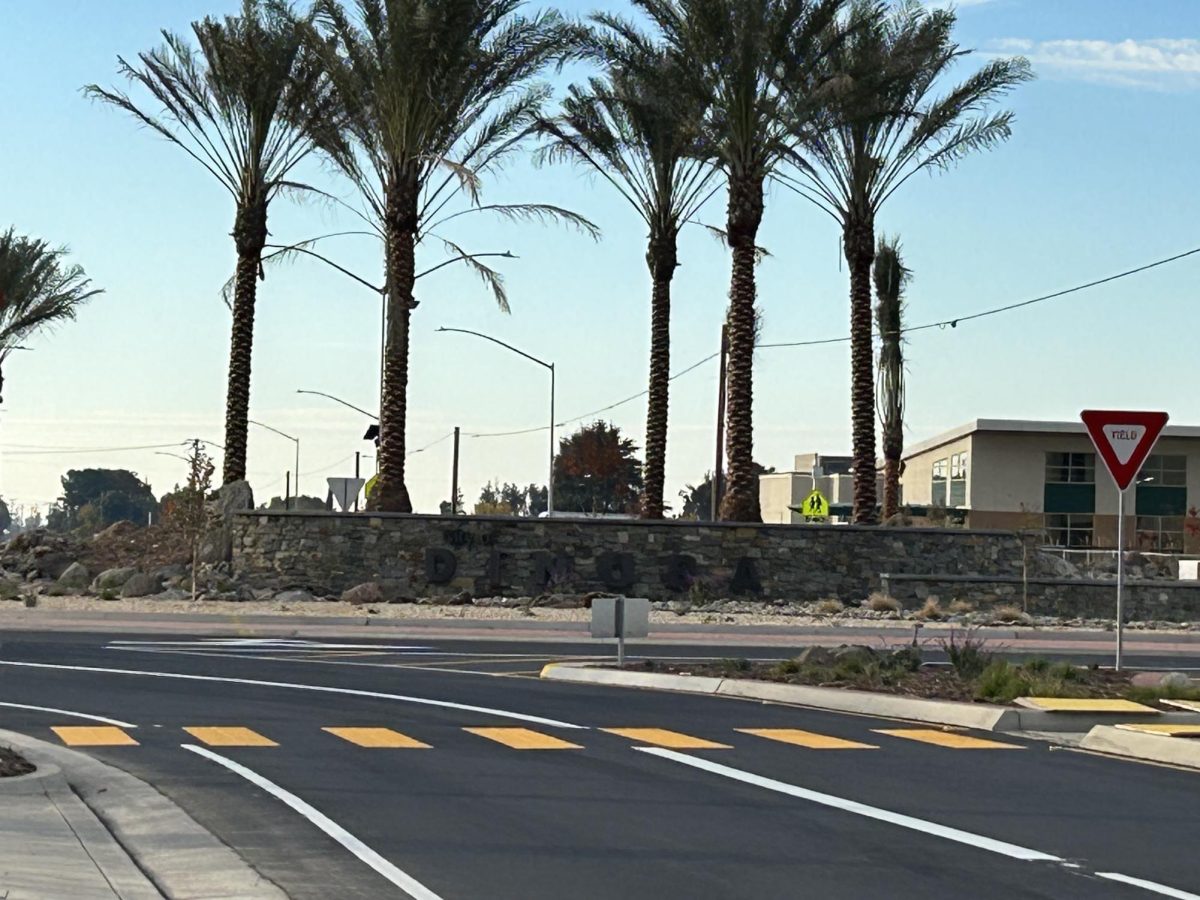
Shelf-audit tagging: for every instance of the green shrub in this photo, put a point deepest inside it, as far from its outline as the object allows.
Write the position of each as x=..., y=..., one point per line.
x=966, y=653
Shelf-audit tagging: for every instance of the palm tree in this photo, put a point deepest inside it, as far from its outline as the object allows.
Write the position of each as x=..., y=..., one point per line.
x=435, y=94
x=732, y=53
x=632, y=128
x=884, y=122
x=38, y=290
x=246, y=106
x=891, y=277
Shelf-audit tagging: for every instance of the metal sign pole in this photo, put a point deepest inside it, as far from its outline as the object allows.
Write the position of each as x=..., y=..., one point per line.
x=620, y=632
x=1120, y=575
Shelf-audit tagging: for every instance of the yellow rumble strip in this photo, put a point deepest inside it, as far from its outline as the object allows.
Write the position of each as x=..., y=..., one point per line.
x=950, y=739
x=229, y=736
x=672, y=740
x=809, y=739
x=1189, y=705
x=1075, y=704
x=377, y=738
x=93, y=736
x=523, y=739
x=1185, y=731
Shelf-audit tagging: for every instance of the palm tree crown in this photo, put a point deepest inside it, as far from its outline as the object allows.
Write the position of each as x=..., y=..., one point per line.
x=246, y=105
x=882, y=121
x=631, y=128
x=38, y=290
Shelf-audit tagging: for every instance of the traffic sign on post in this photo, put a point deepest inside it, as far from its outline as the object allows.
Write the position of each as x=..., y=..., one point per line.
x=1123, y=438
x=815, y=506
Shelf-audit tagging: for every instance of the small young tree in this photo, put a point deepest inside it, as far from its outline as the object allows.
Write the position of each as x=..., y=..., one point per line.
x=187, y=511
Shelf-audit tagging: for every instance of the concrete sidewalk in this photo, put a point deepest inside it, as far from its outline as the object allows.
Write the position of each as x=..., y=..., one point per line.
x=79, y=829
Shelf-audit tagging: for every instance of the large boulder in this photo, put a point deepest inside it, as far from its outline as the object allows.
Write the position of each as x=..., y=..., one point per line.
x=362, y=594
x=141, y=585
x=232, y=498
x=113, y=579
x=76, y=575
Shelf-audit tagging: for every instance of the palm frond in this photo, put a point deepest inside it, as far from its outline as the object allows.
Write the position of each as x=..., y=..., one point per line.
x=493, y=279
x=38, y=288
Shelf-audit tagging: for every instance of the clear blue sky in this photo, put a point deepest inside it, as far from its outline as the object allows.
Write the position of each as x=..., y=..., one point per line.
x=1100, y=176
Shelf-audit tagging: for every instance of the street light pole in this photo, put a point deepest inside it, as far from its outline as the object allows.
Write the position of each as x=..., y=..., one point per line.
x=296, y=481
x=546, y=365
x=369, y=415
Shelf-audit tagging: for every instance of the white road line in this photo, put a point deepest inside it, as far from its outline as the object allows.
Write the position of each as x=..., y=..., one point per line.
x=1149, y=886
x=68, y=712
x=861, y=809
x=392, y=873
x=377, y=695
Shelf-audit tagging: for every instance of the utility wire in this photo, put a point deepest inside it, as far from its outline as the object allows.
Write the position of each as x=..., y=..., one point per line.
x=952, y=323
x=95, y=449
x=444, y=437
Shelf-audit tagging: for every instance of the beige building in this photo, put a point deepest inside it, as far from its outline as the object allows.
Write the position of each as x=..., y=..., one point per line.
x=778, y=492
x=1004, y=473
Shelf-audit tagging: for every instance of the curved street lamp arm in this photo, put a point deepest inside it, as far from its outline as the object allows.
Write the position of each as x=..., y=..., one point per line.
x=369, y=415
x=488, y=337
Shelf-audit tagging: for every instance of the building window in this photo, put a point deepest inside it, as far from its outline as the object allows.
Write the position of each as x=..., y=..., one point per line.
x=938, y=496
x=1069, y=529
x=1160, y=534
x=1070, y=468
x=958, y=480
x=1164, y=471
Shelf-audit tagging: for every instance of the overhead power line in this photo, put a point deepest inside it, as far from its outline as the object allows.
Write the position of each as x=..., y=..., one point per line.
x=944, y=323
x=94, y=449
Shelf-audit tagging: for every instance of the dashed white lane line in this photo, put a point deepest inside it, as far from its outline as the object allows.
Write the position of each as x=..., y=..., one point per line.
x=69, y=712
x=924, y=826
x=388, y=870
x=376, y=695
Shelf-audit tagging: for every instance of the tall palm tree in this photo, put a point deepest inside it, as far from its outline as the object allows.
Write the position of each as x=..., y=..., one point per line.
x=642, y=137
x=435, y=94
x=38, y=290
x=885, y=121
x=732, y=53
x=246, y=104
x=891, y=278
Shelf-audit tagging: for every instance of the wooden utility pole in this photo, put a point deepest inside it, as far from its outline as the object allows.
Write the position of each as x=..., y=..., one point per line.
x=718, y=466
x=454, y=478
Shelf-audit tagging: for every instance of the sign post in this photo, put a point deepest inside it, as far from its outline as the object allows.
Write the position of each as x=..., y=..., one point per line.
x=1123, y=439
x=620, y=617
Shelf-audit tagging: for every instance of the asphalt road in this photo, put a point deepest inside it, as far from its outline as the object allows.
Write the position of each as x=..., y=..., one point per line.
x=516, y=790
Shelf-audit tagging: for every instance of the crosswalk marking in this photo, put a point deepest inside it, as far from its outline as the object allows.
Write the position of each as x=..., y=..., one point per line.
x=808, y=739
x=662, y=737
x=229, y=736
x=93, y=736
x=949, y=739
x=377, y=738
x=523, y=739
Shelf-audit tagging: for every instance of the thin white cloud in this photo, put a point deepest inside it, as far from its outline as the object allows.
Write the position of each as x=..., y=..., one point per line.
x=1159, y=63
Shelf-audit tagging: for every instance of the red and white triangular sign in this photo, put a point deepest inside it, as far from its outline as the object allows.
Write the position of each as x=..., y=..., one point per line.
x=1124, y=439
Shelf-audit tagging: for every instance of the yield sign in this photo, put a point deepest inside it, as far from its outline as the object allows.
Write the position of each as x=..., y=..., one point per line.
x=1123, y=439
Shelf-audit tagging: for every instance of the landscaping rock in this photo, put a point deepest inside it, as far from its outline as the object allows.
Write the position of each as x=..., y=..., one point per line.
x=75, y=576
x=362, y=594
x=116, y=530
x=231, y=498
x=10, y=589
x=816, y=656
x=174, y=594
x=294, y=596
x=113, y=579
x=141, y=585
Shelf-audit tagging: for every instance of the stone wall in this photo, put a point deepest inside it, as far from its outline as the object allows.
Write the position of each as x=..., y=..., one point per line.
x=420, y=556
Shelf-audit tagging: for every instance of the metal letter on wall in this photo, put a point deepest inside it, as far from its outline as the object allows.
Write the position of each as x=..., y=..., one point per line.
x=440, y=565
x=615, y=570
x=679, y=572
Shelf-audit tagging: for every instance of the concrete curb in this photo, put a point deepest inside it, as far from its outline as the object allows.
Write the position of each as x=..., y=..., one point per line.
x=1175, y=751
x=980, y=716
x=183, y=860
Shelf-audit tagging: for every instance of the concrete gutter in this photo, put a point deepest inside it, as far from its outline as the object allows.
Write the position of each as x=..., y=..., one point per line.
x=1174, y=751
x=182, y=860
x=980, y=716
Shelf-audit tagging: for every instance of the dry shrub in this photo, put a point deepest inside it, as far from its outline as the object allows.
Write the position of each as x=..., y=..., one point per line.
x=829, y=607
x=931, y=610
x=883, y=603
x=960, y=607
x=1007, y=612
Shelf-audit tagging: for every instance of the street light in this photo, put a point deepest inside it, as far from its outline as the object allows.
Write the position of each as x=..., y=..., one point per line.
x=544, y=364
x=370, y=415
x=290, y=438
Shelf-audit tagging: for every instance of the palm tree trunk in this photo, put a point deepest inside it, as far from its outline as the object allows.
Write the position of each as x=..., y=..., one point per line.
x=662, y=260
x=249, y=236
x=859, y=245
x=740, y=501
x=891, y=484
x=390, y=493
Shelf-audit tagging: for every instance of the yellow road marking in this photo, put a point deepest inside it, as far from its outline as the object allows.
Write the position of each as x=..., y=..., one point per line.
x=809, y=739
x=229, y=736
x=523, y=739
x=1189, y=705
x=946, y=739
x=377, y=737
x=1192, y=731
x=93, y=736
x=1077, y=704
x=661, y=737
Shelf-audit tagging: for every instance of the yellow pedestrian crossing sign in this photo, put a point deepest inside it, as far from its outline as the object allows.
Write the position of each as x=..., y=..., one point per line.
x=815, y=506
